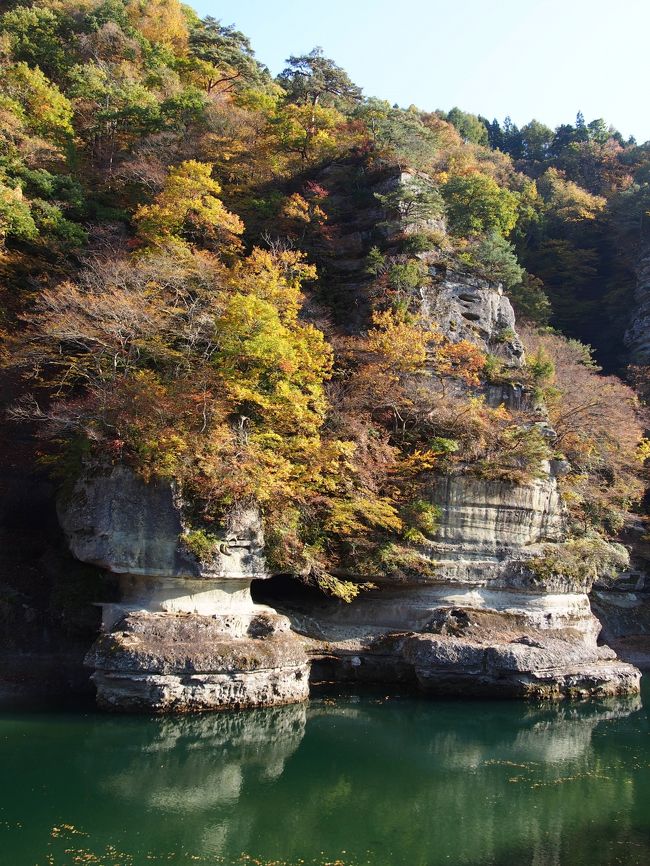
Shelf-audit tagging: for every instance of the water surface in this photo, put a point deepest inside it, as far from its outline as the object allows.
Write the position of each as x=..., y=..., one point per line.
x=351, y=779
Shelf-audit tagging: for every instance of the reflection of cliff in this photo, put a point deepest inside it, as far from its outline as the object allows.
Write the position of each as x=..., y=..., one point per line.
x=198, y=768
x=391, y=782
x=468, y=790
x=408, y=781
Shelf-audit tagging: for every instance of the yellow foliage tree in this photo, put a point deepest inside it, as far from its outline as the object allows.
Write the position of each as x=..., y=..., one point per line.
x=308, y=130
x=160, y=21
x=404, y=345
x=46, y=110
x=400, y=345
x=566, y=200
x=188, y=207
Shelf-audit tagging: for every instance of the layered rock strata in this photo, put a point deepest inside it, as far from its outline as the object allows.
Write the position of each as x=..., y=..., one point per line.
x=185, y=635
x=483, y=623
x=175, y=662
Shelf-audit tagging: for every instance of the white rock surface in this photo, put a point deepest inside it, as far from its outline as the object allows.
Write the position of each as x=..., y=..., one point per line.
x=185, y=635
x=468, y=308
x=171, y=662
x=115, y=520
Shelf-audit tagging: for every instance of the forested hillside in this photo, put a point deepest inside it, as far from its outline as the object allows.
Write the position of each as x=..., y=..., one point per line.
x=188, y=287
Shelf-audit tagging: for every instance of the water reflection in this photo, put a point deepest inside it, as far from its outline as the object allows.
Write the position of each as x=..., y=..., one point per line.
x=195, y=763
x=194, y=771
x=475, y=788
x=367, y=781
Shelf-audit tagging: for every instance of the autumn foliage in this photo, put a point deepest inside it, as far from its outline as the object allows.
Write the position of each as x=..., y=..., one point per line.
x=186, y=286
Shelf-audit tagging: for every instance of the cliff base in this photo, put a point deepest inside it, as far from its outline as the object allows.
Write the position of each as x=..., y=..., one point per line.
x=182, y=663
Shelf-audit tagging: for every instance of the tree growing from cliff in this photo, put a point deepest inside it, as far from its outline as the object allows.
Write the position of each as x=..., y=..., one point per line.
x=494, y=259
x=398, y=134
x=416, y=200
x=315, y=79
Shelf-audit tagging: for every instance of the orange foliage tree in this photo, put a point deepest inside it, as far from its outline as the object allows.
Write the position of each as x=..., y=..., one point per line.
x=598, y=422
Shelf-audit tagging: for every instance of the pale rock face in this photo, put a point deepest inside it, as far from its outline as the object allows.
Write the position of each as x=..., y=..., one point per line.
x=488, y=529
x=479, y=624
x=118, y=522
x=183, y=663
x=186, y=635
x=203, y=596
x=417, y=608
x=484, y=520
x=467, y=308
x=464, y=307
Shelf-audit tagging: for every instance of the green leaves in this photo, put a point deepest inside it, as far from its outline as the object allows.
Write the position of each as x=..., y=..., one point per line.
x=468, y=125
x=313, y=78
x=415, y=199
x=15, y=215
x=47, y=111
x=495, y=259
x=476, y=204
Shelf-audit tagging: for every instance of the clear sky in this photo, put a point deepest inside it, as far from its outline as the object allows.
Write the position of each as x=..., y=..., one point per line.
x=527, y=58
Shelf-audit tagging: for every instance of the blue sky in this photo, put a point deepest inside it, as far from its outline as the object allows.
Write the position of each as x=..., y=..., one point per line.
x=527, y=58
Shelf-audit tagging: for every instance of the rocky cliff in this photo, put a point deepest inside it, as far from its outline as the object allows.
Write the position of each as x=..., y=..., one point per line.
x=623, y=605
x=484, y=623
x=481, y=618
x=188, y=636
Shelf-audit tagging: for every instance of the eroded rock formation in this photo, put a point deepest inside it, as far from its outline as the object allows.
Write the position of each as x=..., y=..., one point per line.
x=186, y=635
x=467, y=308
x=483, y=623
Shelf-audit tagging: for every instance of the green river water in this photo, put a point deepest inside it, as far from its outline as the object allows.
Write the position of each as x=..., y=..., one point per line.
x=348, y=779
